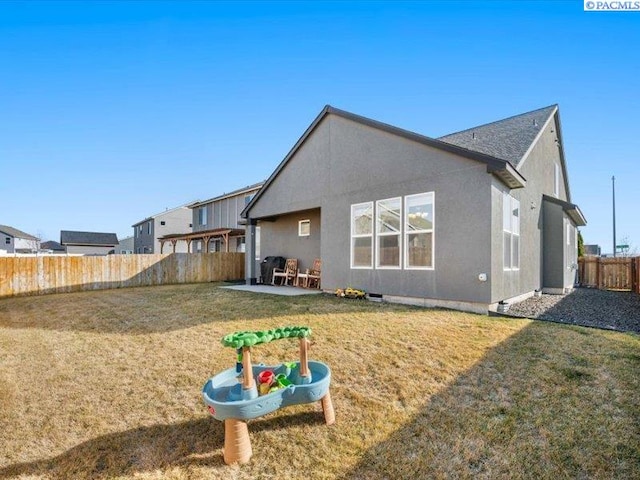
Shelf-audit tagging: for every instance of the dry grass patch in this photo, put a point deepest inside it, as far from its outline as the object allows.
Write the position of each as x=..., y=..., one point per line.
x=107, y=385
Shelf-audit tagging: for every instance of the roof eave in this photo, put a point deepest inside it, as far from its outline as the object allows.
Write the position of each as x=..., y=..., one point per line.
x=507, y=174
x=570, y=209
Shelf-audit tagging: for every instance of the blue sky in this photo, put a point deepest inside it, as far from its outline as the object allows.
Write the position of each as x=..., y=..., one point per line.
x=113, y=111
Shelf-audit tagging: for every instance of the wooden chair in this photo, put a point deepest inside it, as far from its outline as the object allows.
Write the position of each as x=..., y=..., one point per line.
x=311, y=277
x=289, y=272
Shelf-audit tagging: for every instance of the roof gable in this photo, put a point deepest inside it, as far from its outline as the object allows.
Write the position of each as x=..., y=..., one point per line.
x=497, y=166
x=15, y=233
x=69, y=237
x=509, y=139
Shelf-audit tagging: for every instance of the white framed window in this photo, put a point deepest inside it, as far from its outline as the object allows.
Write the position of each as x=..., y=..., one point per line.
x=304, y=228
x=202, y=216
x=362, y=235
x=139, y=229
x=511, y=232
x=556, y=180
x=419, y=231
x=388, y=225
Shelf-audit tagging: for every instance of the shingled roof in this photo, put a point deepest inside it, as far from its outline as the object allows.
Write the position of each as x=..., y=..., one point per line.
x=15, y=233
x=508, y=139
x=69, y=237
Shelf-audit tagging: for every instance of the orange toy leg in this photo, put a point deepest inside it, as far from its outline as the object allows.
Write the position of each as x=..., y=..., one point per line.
x=327, y=408
x=237, y=445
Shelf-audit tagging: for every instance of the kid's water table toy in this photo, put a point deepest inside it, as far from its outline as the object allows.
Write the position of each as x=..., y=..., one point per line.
x=250, y=391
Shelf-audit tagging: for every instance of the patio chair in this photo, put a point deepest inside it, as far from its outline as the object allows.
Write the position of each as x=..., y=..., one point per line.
x=311, y=277
x=289, y=272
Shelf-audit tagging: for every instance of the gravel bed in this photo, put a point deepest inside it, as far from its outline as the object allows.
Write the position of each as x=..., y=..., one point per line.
x=585, y=306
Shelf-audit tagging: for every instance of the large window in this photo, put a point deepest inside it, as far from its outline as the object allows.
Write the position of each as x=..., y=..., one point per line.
x=402, y=231
x=362, y=235
x=388, y=215
x=418, y=231
x=511, y=232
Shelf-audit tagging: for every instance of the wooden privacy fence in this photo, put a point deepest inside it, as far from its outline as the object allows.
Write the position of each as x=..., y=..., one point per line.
x=57, y=274
x=619, y=273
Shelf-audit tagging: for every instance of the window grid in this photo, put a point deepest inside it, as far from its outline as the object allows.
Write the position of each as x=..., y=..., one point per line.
x=360, y=235
x=412, y=229
x=388, y=233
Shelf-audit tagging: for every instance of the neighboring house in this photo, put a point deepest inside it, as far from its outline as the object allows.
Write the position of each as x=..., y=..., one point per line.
x=126, y=246
x=593, y=250
x=16, y=241
x=217, y=225
x=52, y=246
x=88, y=243
x=147, y=232
x=464, y=221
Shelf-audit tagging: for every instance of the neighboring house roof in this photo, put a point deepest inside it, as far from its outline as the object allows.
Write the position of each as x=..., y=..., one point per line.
x=15, y=233
x=509, y=139
x=169, y=210
x=69, y=237
x=51, y=245
x=500, y=167
x=239, y=191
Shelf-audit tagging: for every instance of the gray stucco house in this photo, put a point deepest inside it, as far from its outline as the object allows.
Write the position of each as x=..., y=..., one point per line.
x=17, y=241
x=463, y=221
x=88, y=243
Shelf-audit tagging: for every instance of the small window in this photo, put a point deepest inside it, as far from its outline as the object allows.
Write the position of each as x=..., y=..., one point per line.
x=140, y=228
x=7, y=240
x=362, y=235
x=248, y=198
x=191, y=225
x=148, y=228
x=511, y=232
x=163, y=223
x=202, y=216
x=304, y=228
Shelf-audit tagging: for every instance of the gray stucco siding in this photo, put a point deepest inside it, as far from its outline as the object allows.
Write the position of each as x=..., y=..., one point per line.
x=280, y=238
x=535, y=233
x=344, y=163
x=554, y=266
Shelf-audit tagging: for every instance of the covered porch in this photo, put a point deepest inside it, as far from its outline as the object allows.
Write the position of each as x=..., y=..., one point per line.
x=204, y=236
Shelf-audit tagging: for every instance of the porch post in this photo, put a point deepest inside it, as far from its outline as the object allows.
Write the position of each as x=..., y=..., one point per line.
x=250, y=252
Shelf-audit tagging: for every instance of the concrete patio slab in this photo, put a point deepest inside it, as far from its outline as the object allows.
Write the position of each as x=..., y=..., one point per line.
x=273, y=290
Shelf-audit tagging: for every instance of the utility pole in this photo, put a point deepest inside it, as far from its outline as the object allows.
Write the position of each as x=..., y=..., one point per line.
x=613, y=185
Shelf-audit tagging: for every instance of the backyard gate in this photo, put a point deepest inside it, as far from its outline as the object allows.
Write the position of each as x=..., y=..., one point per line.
x=617, y=273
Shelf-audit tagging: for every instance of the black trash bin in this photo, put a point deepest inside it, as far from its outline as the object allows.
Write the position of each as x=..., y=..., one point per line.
x=267, y=266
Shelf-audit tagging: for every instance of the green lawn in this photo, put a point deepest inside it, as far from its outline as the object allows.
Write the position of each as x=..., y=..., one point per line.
x=107, y=384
